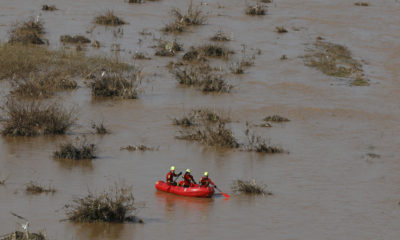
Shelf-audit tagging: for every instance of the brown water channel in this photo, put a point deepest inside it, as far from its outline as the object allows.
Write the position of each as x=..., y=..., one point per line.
x=327, y=187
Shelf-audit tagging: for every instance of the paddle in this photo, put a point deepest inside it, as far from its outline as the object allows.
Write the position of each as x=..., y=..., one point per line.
x=224, y=194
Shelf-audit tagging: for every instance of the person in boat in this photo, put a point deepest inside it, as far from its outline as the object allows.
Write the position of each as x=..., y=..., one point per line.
x=188, y=179
x=170, y=176
x=205, y=181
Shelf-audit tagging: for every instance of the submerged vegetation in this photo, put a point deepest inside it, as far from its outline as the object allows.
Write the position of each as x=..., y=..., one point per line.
x=362, y=4
x=181, y=20
x=168, y=48
x=116, y=85
x=209, y=127
x=100, y=128
x=27, y=32
x=74, y=39
x=333, y=60
x=115, y=205
x=275, y=118
x=139, y=147
x=18, y=235
x=35, y=118
x=78, y=150
x=36, y=188
x=249, y=187
x=202, y=77
x=256, y=10
x=108, y=18
x=49, y=7
x=220, y=36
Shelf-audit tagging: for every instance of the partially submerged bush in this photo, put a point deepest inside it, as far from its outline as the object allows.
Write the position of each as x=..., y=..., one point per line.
x=203, y=77
x=281, y=29
x=220, y=36
x=333, y=60
x=35, y=118
x=168, y=48
x=100, y=128
x=362, y=4
x=193, y=16
x=49, y=7
x=360, y=81
x=20, y=62
x=18, y=235
x=42, y=84
x=141, y=56
x=218, y=51
x=139, y=147
x=4, y=180
x=109, y=18
x=115, y=205
x=256, y=10
x=200, y=115
x=249, y=187
x=258, y=144
x=276, y=118
x=76, y=151
x=135, y=1
x=74, y=39
x=36, y=188
x=211, y=135
x=27, y=32
x=116, y=85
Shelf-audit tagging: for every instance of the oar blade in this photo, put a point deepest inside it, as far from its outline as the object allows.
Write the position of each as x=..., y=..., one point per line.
x=225, y=195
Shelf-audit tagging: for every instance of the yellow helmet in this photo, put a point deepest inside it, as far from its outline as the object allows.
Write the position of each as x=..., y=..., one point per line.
x=205, y=173
x=172, y=168
x=188, y=170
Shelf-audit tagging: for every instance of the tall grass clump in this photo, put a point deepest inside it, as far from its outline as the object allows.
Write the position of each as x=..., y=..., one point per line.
x=168, y=48
x=46, y=7
x=275, y=118
x=115, y=205
x=74, y=39
x=27, y=32
x=181, y=19
x=76, y=150
x=108, y=18
x=220, y=36
x=249, y=187
x=35, y=118
x=199, y=115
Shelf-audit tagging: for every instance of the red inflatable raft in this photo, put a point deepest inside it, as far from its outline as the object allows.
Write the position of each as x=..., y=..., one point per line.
x=194, y=191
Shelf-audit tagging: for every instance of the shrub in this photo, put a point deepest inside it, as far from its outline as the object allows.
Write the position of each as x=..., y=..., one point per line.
x=249, y=187
x=35, y=118
x=362, y=4
x=200, y=115
x=139, y=147
x=35, y=188
x=108, y=18
x=114, y=205
x=76, y=151
x=27, y=32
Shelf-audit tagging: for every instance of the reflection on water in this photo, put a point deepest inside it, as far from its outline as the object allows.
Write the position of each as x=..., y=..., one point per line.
x=175, y=204
x=98, y=230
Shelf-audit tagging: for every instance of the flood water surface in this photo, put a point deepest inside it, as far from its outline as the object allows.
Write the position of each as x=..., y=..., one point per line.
x=339, y=180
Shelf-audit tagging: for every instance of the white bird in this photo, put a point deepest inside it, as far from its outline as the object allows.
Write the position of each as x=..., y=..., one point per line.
x=37, y=18
x=103, y=73
x=25, y=225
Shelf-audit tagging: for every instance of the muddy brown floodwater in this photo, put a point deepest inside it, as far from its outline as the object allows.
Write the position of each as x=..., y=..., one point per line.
x=328, y=187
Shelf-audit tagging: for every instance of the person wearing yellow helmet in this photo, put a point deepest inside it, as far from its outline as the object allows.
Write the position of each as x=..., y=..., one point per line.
x=205, y=181
x=170, y=176
x=188, y=179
